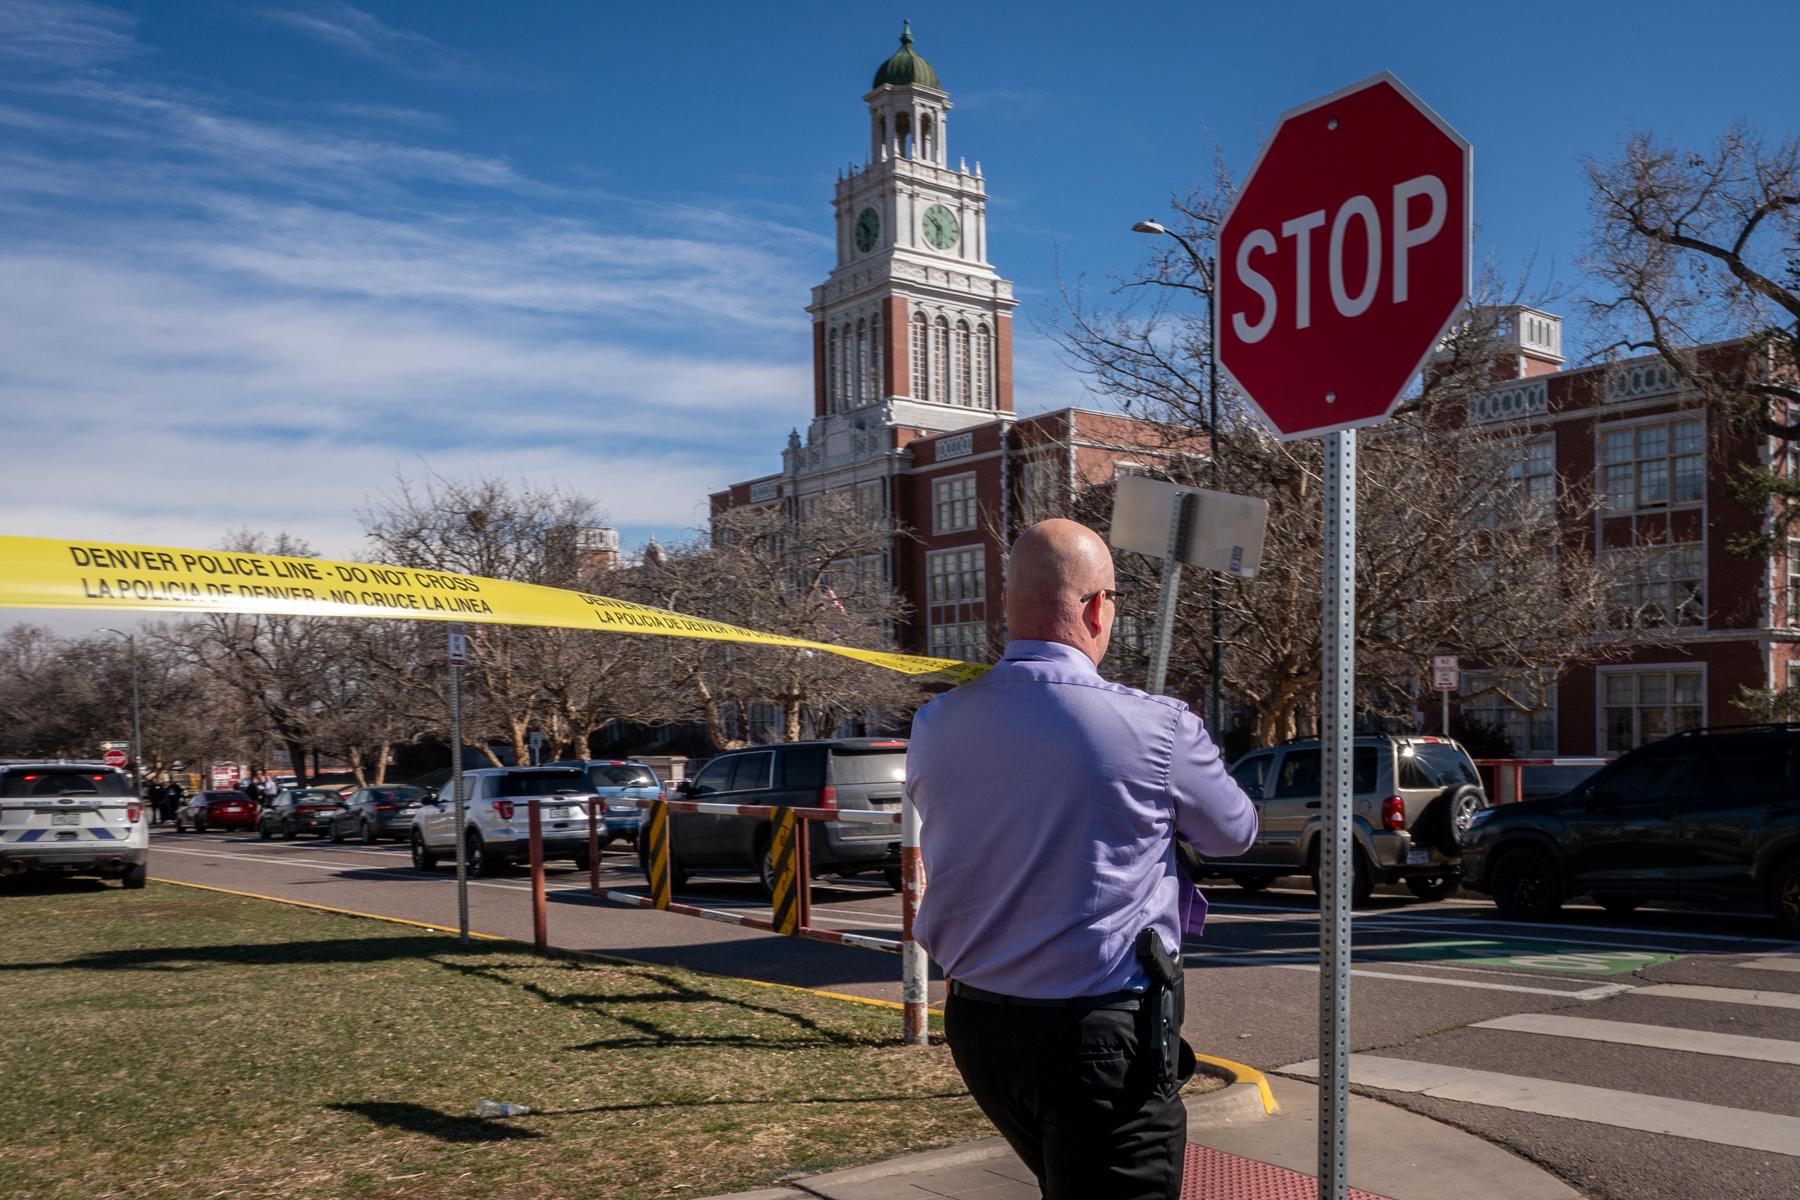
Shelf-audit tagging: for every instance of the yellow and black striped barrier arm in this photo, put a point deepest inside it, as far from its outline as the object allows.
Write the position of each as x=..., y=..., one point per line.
x=123, y=579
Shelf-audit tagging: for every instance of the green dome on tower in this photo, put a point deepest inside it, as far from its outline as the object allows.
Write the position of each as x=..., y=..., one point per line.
x=906, y=67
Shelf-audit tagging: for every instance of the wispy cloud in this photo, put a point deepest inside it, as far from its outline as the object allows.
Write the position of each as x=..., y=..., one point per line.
x=62, y=35
x=360, y=34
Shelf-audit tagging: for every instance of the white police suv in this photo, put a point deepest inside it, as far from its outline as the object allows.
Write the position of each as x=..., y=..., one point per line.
x=74, y=819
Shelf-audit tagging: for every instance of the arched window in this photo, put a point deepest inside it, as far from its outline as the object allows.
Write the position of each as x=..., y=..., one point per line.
x=984, y=397
x=876, y=379
x=903, y=135
x=831, y=371
x=963, y=396
x=921, y=360
x=940, y=361
x=927, y=138
x=861, y=367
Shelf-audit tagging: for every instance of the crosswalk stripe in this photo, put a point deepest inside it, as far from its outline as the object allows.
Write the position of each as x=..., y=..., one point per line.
x=1597, y=992
x=1721, y=995
x=1773, y=964
x=1657, y=1037
x=1768, y=1132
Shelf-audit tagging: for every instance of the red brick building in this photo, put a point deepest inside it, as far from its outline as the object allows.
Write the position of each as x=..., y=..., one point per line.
x=1660, y=465
x=913, y=406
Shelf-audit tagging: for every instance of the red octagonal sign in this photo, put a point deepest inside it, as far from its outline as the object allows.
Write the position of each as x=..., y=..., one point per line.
x=1344, y=258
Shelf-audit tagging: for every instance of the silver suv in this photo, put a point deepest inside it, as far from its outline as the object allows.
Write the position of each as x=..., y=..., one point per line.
x=497, y=820
x=73, y=818
x=1413, y=796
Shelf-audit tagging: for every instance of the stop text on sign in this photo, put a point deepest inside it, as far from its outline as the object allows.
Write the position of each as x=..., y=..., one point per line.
x=1344, y=258
x=1353, y=246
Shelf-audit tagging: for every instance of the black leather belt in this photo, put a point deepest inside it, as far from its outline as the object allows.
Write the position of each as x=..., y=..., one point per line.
x=1123, y=1001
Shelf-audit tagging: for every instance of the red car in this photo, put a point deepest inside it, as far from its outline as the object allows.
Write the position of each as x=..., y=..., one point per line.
x=216, y=810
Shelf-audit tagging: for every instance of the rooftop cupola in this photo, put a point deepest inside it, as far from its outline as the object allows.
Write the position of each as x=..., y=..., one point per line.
x=907, y=106
x=906, y=67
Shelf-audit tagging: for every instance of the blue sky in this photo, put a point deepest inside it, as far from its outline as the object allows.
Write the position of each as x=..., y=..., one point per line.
x=256, y=259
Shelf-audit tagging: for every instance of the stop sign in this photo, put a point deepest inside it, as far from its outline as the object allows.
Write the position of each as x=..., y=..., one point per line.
x=1344, y=258
x=115, y=758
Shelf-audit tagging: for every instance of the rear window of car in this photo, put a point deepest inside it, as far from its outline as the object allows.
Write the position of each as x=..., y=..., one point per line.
x=313, y=797
x=1435, y=764
x=224, y=796
x=868, y=766
x=542, y=783
x=62, y=782
x=397, y=795
x=622, y=775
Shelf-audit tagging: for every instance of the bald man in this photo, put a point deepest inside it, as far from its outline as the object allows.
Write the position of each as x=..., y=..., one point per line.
x=1050, y=801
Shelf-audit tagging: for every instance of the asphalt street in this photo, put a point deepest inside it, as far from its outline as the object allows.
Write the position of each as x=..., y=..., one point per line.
x=1653, y=1056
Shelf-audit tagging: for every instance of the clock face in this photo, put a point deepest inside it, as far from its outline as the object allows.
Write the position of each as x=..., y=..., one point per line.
x=940, y=227
x=868, y=228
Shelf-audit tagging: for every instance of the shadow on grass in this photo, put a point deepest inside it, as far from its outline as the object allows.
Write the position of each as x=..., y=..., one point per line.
x=432, y=1122
x=784, y=1100
x=651, y=1034
x=258, y=954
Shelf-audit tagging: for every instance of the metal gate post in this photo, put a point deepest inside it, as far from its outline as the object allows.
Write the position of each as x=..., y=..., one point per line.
x=914, y=970
x=540, y=931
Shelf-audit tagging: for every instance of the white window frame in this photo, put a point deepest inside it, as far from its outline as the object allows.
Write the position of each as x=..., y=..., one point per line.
x=1654, y=581
x=1635, y=466
x=965, y=641
x=953, y=503
x=956, y=575
x=1539, y=726
x=1636, y=673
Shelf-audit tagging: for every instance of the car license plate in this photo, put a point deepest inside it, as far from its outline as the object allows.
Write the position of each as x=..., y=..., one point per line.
x=561, y=813
x=1417, y=858
x=65, y=818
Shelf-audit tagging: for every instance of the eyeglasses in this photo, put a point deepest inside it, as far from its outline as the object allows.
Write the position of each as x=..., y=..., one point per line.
x=1112, y=594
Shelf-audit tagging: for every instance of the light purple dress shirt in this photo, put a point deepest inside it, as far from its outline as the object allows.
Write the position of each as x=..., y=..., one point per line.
x=1049, y=799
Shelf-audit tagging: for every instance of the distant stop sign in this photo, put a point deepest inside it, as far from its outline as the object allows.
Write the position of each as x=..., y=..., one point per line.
x=1344, y=258
x=115, y=758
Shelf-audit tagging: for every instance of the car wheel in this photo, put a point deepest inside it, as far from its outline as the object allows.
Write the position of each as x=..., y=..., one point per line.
x=765, y=863
x=581, y=863
x=1784, y=898
x=178, y=826
x=1433, y=887
x=894, y=881
x=368, y=834
x=199, y=825
x=337, y=836
x=678, y=876
x=287, y=832
x=262, y=831
x=480, y=862
x=136, y=875
x=423, y=858
x=1253, y=883
x=1362, y=882
x=1620, y=906
x=1525, y=886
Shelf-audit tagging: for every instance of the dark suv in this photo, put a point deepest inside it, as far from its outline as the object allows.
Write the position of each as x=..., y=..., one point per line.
x=1710, y=814
x=1412, y=796
x=849, y=774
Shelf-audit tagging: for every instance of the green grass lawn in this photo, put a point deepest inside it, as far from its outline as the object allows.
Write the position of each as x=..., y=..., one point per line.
x=171, y=1042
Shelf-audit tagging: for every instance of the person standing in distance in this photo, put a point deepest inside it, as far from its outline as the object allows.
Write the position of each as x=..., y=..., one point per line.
x=1050, y=800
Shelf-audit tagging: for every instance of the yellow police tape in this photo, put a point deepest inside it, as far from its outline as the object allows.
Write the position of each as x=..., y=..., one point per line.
x=112, y=577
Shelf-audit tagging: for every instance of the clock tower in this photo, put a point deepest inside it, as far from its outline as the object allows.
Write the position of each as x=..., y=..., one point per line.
x=913, y=327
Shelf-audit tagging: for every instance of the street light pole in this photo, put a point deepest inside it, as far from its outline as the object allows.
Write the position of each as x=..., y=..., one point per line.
x=1204, y=268
x=137, y=726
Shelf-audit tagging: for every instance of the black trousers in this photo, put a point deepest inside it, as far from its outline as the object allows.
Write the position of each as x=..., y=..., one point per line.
x=1076, y=1096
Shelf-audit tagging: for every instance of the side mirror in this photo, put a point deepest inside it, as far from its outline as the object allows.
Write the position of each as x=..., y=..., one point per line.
x=685, y=788
x=1254, y=791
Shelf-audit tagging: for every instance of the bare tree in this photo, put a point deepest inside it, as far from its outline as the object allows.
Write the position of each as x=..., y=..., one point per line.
x=815, y=576
x=560, y=682
x=1695, y=248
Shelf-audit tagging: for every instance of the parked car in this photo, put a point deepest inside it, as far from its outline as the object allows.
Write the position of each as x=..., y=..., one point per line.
x=1412, y=796
x=371, y=813
x=849, y=774
x=1705, y=815
x=496, y=818
x=298, y=810
x=76, y=819
x=621, y=783
x=217, y=809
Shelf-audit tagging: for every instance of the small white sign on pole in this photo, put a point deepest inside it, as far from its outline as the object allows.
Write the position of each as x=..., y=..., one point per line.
x=1224, y=531
x=1445, y=677
x=458, y=645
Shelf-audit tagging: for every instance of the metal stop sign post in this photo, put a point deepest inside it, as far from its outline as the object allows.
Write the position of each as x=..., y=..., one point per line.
x=1341, y=264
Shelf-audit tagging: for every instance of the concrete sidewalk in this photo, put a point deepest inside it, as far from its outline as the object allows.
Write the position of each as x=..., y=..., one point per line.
x=1393, y=1153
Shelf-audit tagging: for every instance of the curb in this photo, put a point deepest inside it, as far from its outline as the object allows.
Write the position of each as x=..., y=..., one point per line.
x=1247, y=1097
